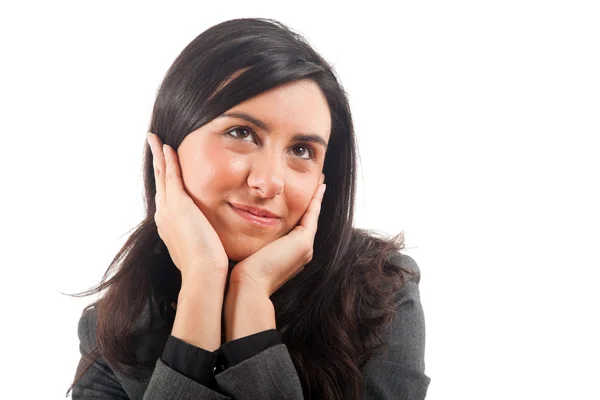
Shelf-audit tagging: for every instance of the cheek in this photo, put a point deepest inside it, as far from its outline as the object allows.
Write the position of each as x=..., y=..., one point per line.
x=298, y=196
x=209, y=174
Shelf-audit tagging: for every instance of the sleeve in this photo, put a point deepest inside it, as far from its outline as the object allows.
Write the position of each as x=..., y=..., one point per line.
x=269, y=374
x=236, y=351
x=194, y=362
x=99, y=381
x=399, y=373
x=199, y=364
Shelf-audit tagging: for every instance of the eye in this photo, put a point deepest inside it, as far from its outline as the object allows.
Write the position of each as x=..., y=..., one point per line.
x=246, y=133
x=306, y=152
x=304, y=149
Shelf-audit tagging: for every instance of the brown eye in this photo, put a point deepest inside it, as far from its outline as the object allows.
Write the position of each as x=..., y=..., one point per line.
x=245, y=132
x=310, y=154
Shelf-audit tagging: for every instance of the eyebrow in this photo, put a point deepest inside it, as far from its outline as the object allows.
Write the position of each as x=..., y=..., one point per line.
x=301, y=137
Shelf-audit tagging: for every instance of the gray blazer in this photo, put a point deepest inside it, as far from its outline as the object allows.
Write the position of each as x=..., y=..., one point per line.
x=397, y=374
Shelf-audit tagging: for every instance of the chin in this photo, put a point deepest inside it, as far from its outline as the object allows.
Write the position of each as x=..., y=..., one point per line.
x=240, y=246
x=237, y=252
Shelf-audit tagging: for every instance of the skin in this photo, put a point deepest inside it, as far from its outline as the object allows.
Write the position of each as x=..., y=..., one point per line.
x=233, y=160
x=220, y=165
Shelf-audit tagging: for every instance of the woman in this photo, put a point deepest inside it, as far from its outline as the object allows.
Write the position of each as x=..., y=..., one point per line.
x=246, y=280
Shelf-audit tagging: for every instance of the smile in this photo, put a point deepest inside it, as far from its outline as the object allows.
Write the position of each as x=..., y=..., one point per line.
x=255, y=219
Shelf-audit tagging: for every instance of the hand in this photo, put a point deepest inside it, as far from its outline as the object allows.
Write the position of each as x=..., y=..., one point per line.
x=281, y=260
x=193, y=244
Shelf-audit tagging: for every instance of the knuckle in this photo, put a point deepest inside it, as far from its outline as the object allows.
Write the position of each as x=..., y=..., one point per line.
x=170, y=175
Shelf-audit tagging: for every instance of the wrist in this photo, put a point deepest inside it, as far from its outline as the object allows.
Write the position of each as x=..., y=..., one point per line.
x=194, y=282
x=240, y=283
x=248, y=289
x=247, y=311
x=199, y=307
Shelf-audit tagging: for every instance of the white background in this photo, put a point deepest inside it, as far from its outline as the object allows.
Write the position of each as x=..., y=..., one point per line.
x=478, y=124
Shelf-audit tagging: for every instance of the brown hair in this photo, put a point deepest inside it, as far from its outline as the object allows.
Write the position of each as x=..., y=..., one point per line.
x=351, y=281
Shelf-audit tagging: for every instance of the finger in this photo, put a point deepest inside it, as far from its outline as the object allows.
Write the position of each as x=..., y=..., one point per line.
x=158, y=163
x=310, y=219
x=173, y=179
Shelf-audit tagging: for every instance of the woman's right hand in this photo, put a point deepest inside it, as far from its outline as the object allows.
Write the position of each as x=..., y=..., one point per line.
x=193, y=244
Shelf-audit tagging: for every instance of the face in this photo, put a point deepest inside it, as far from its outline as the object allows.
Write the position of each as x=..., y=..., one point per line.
x=266, y=152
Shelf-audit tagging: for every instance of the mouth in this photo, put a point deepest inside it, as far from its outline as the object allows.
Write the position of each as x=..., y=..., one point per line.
x=260, y=220
x=255, y=210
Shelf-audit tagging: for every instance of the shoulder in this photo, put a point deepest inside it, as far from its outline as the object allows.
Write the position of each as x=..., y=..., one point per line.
x=407, y=263
x=368, y=245
x=149, y=318
x=123, y=381
x=407, y=330
x=86, y=328
x=148, y=334
x=408, y=294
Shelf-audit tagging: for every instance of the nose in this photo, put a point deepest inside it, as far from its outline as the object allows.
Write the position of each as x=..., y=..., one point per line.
x=266, y=175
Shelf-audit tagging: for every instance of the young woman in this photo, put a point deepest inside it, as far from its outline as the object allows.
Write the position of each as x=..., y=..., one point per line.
x=246, y=279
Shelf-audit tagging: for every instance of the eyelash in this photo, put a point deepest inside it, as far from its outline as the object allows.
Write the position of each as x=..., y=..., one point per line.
x=310, y=150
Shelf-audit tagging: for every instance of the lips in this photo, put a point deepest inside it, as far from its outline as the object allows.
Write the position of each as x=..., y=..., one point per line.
x=253, y=210
x=255, y=220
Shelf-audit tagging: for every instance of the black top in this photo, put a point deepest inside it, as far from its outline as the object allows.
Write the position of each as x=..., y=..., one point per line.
x=202, y=365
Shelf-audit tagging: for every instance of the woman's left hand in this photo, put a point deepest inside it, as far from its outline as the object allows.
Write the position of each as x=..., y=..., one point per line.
x=281, y=260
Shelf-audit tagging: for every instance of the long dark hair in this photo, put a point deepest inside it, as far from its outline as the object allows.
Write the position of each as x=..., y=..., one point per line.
x=350, y=284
